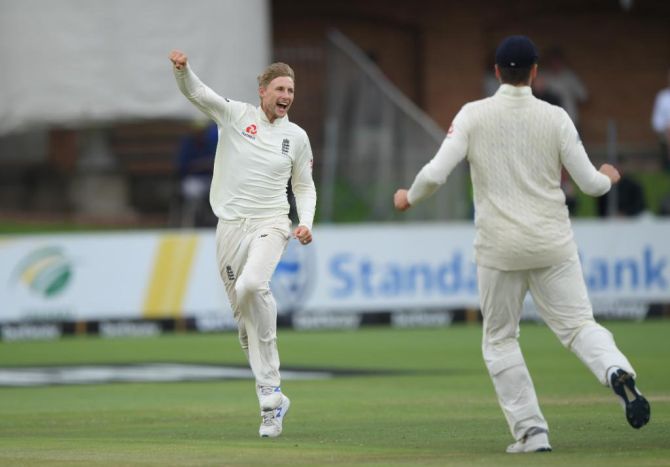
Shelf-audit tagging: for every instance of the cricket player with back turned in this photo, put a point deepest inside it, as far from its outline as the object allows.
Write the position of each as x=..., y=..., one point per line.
x=516, y=145
x=258, y=151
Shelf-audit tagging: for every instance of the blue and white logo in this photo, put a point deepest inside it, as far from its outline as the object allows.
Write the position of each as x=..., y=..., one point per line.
x=293, y=279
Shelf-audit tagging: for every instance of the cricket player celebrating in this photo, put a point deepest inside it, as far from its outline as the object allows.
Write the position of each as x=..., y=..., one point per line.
x=516, y=145
x=258, y=151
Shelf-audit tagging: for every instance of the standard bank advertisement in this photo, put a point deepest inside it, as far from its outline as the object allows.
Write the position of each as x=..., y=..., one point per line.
x=347, y=269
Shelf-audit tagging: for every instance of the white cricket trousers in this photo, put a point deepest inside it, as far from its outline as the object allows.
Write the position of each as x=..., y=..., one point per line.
x=560, y=296
x=248, y=252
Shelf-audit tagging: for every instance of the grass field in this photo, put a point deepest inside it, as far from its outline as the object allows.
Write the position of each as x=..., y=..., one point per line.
x=439, y=409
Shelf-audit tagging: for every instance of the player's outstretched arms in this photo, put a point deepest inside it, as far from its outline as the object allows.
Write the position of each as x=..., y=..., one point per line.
x=400, y=200
x=611, y=172
x=178, y=59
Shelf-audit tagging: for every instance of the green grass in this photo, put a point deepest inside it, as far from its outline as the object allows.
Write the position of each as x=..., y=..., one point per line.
x=441, y=411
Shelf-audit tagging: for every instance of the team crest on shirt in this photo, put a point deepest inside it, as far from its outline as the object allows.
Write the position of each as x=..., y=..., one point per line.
x=250, y=132
x=285, y=146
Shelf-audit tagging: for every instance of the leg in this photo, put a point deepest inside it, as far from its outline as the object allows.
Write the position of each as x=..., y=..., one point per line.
x=256, y=303
x=231, y=252
x=561, y=298
x=560, y=294
x=501, y=295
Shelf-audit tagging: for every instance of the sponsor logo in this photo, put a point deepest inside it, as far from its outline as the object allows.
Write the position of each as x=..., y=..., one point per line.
x=645, y=270
x=374, y=278
x=420, y=318
x=45, y=272
x=16, y=332
x=129, y=328
x=214, y=322
x=250, y=131
x=323, y=321
x=294, y=277
x=285, y=146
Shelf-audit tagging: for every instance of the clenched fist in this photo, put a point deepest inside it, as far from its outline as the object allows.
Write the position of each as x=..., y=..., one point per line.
x=400, y=200
x=611, y=172
x=303, y=234
x=178, y=59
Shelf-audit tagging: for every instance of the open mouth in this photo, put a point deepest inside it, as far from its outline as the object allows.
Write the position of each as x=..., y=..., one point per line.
x=282, y=106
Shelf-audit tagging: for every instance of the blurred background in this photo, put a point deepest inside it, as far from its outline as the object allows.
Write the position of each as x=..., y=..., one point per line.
x=95, y=136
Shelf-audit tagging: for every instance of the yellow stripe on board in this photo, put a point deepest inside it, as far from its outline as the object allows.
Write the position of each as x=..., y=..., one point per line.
x=169, y=279
x=30, y=273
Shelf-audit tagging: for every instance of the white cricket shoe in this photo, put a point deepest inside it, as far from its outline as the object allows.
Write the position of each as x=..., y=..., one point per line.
x=273, y=420
x=269, y=397
x=535, y=440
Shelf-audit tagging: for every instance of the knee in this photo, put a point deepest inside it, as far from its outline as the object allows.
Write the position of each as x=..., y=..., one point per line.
x=497, y=346
x=244, y=339
x=248, y=286
x=502, y=355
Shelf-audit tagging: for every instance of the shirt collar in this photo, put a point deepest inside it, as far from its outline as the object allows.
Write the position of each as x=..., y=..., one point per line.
x=264, y=118
x=508, y=90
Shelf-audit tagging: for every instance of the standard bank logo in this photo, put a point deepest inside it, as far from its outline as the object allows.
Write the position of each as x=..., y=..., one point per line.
x=294, y=277
x=45, y=272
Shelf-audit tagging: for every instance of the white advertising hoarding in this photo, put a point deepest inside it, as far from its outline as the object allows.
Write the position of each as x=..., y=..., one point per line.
x=347, y=269
x=81, y=277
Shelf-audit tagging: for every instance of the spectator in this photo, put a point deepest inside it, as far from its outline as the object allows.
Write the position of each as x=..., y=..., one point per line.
x=660, y=121
x=194, y=165
x=560, y=86
x=541, y=91
x=490, y=83
x=562, y=82
x=665, y=206
x=630, y=199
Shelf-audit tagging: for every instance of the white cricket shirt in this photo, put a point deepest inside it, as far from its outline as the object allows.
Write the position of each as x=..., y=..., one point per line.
x=254, y=158
x=516, y=145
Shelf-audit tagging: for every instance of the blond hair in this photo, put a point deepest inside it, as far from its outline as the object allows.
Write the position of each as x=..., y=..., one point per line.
x=276, y=70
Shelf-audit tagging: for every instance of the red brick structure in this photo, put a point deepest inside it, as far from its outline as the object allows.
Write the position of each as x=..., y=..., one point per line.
x=436, y=51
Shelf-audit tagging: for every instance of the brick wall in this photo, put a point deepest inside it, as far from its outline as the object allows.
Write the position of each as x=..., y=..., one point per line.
x=435, y=52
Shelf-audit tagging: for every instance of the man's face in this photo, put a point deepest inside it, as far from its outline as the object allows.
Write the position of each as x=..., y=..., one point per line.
x=277, y=97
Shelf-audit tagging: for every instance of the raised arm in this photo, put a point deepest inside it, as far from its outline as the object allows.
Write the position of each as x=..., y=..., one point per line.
x=210, y=103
